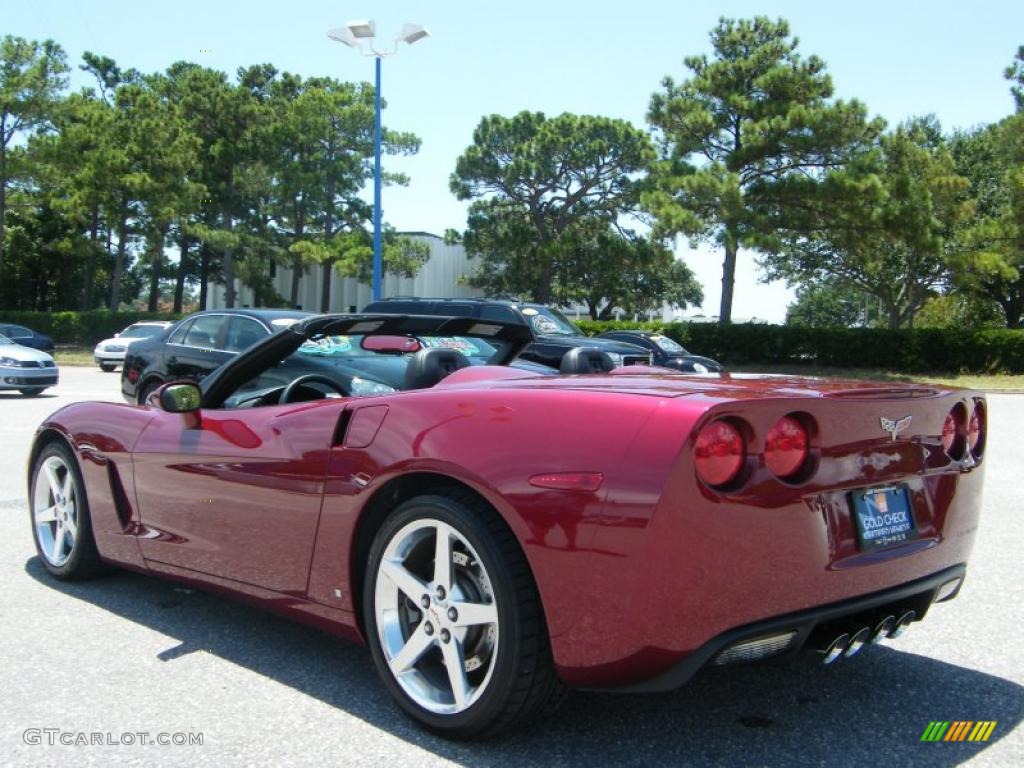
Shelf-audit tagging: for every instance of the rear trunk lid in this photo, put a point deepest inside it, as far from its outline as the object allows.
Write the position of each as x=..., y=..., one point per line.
x=647, y=380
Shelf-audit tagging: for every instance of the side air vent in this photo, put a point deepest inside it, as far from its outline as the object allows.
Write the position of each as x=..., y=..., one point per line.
x=121, y=504
x=342, y=428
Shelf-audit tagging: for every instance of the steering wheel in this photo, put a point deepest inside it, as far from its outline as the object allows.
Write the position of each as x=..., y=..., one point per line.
x=293, y=386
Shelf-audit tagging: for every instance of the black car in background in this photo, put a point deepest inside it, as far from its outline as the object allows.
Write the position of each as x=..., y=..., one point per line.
x=666, y=352
x=555, y=334
x=19, y=334
x=196, y=345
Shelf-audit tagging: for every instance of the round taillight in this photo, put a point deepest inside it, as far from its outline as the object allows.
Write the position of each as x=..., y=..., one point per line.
x=786, y=447
x=953, y=428
x=976, y=430
x=719, y=453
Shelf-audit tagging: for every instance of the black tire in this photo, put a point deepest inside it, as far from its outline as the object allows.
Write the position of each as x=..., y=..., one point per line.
x=84, y=559
x=147, y=390
x=107, y=367
x=32, y=391
x=523, y=682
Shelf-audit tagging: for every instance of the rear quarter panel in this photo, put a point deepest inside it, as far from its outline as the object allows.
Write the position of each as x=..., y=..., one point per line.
x=493, y=441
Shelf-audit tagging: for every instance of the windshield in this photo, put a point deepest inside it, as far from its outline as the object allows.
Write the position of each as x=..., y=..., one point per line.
x=549, y=322
x=351, y=347
x=141, y=331
x=4, y=340
x=357, y=371
x=668, y=345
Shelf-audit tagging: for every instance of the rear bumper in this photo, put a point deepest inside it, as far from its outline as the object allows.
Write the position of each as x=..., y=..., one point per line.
x=738, y=569
x=670, y=569
x=917, y=595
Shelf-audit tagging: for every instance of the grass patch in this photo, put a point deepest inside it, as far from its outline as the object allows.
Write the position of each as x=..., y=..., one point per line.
x=996, y=382
x=71, y=354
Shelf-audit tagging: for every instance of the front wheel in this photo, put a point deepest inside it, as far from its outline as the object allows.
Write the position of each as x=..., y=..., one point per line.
x=454, y=620
x=107, y=367
x=32, y=391
x=61, y=525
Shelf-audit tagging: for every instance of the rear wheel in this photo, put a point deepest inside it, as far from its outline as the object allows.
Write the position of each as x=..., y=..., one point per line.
x=31, y=391
x=107, y=367
x=61, y=526
x=454, y=621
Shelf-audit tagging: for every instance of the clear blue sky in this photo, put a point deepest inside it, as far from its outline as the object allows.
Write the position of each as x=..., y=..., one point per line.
x=599, y=57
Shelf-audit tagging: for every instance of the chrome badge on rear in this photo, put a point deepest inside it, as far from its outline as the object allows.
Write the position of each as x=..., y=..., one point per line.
x=895, y=426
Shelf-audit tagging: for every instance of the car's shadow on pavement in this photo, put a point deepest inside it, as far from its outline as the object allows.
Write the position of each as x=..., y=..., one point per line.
x=15, y=395
x=867, y=710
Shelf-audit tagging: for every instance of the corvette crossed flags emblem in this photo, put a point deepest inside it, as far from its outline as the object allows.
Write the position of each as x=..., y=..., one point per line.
x=895, y=426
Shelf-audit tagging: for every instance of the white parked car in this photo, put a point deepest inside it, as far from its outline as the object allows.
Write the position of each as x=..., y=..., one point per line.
x=27, y=370
x=109, y=353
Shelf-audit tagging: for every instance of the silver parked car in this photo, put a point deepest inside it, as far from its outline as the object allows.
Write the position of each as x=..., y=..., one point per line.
x=27, y=370
x=109, y=353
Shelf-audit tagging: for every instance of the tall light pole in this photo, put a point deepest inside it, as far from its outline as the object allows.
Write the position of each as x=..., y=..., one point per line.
x=354, y=34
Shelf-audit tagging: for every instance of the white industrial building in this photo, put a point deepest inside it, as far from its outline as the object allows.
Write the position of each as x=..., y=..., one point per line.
x=440, y=276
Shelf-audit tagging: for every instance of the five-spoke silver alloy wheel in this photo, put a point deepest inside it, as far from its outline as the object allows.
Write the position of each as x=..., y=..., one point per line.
x=54, y=510
x=436, y=616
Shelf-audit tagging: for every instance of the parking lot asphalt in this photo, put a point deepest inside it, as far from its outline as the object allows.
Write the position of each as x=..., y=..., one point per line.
x=130, y=654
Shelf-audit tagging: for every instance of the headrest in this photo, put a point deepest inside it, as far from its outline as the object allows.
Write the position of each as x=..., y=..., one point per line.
x=586, y=360
x=429, y=366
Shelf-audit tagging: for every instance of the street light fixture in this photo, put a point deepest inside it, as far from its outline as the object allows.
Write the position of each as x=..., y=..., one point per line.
x=363, y=29
x=354, y=34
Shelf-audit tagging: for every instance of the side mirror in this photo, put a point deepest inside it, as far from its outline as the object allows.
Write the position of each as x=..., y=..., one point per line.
x=117, y=335
x=390, y=345
x=181, y=397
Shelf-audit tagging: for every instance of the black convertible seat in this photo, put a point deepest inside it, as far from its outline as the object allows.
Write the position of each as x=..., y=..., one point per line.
x=586, y=360
x=429, y=366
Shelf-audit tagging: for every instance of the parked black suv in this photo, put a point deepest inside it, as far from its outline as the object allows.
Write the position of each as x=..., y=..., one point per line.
x=555, y=333
x=195, y=346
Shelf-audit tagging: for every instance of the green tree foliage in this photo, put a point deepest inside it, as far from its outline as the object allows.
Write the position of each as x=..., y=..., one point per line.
x=550, y=196
x=31, y=77
x=828, y=304
x=163, y=152
x=1015, y=74
x=892, y=243
x=748, y=141
x=324, y=132
x=956, y=310
x=606, y=270
x=238, y=175
x=350, y=254
x=988, y=263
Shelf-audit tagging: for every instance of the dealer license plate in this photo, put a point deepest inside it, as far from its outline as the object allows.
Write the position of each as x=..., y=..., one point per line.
x=883, y=516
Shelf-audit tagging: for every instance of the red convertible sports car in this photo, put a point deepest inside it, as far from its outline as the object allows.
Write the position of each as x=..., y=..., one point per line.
x=497, y=535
